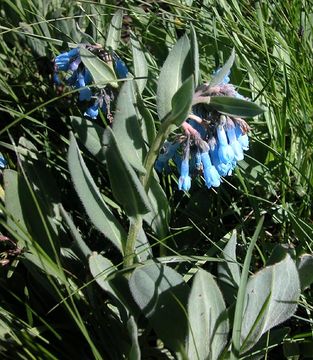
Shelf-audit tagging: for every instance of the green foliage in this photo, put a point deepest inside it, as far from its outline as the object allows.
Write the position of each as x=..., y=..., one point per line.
x=136, y=278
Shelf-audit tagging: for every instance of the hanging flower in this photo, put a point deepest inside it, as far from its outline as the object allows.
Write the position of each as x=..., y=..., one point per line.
x=213, y=143
x=79, y=77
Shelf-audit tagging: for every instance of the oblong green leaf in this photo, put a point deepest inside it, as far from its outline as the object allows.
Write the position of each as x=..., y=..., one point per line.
x=218, y=78
x=229, y=271
x=126, y=128
x=79, y=244
x=107, y=277
x=235, y=107
x=158, y=218
x=126, y=186
x=278, y=288
x=146, y=119
x=101, y=72
x=181, y=104
x=208, y=322
x=195, y=54
x=91, y=135
x=305, y=269
x=140, y=63
x=114, y=31
x=161, y=294
x=97, y=210
x=177, y=67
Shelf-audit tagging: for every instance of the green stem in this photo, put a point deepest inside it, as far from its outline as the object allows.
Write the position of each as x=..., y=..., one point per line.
x=154, y=152
x=136, y=222
x=134, y=228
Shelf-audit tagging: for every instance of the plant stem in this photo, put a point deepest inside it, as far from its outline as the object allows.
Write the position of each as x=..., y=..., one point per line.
x=134, y=228
x=136, y=221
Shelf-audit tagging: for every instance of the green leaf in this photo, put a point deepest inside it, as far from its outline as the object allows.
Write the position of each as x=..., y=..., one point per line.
x=218, y=78
x=13, y=207
x=194, y=54
x=114, y=283
x=126, y=128
x=126, y=186
x=235, y=107
x=101, y=72
x=132, y=328
x=239, y=308
x=208, y=323
x=161, y=294
x=140, y=63
x=229, y=271
x=101, y=268
x=158, y=218
x=181, y=104
x=146, y=119
x=278, y=288
x=142, y=248
x=79, y=244
x=114, y=31
x=305, y=269
x=177, y=67
x=32, y=199
x=92, y=136
x=97, y=210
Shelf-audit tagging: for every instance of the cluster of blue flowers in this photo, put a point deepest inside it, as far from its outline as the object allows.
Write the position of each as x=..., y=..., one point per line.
x=3, y=162
x=78, y=76
x=212, y=143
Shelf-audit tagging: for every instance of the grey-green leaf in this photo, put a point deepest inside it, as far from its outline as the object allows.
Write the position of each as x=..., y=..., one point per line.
x=229, y=271
x=140, y=64
x=79, y=244
x=158, y=218
x=181, y=104
x=91, y=135
x=126, y=186
x=135, y=353
x=218, y=78
x=126, y=129
x=115, y=284
x=208, y=322
x=102, y=73
x=13, y=206
x=194, y=54
x=305, y=269
x=161, y=294
x=96, y=208
x=176, y=69
x=271, y=298
x=235, y=107
x=114, y=31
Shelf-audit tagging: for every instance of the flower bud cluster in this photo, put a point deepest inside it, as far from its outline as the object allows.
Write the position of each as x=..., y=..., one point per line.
x=79, y=77
x=212, y=143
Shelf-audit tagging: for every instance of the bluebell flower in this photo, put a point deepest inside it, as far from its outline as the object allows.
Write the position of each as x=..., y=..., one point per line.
x=68, y=60
x=120, y=68
x=225, y=152
x=211, y=176
x=168, y=151
x=184, y=181
x=78, y=76
x=85, y=93
x=234, y=143
x=3, y=162
x=217, y=142
x=93, y=110
x=56, y=79
x=243, y=139
x=223, y=169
